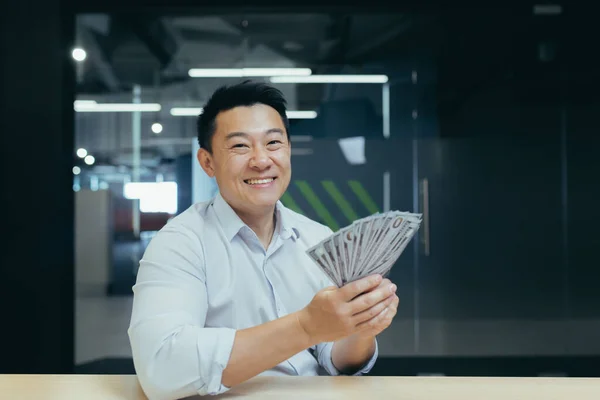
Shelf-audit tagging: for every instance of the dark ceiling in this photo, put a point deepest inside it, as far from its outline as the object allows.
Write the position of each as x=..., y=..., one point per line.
x=469, y=50
x=132, y=49
x=460, y=54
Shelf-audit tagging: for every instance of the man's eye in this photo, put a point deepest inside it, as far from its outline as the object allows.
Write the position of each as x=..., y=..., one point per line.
x=239, y=145
x=274, y=142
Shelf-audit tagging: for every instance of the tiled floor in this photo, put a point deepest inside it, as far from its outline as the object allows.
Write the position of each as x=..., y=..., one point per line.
x=102, y=322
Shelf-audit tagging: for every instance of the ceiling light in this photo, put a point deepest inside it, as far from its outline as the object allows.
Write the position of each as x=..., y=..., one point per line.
x=215, y=73
x=301, y=114
x=89, y=160
x=277, y=71
x=88, y=106
x=157, y=127
x=330, y=79
x=186, y=111
x=247, y=72
x=82, y=103
x=76, y=170
x=81, y=152
x=79, y=54
x=195, y=111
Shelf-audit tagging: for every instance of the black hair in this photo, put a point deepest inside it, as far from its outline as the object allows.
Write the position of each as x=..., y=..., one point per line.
x=247, y=93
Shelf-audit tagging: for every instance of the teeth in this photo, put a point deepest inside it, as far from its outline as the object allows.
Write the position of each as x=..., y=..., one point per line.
x=259, y=181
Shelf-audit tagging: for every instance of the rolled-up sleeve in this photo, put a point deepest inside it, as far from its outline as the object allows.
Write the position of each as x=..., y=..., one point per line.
x=323, y=354
x=174, y=355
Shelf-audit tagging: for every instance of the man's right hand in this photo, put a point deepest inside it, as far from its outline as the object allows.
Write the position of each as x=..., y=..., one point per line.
x=335, y=313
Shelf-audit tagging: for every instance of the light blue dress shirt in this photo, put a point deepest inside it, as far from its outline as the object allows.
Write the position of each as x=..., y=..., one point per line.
x=206, y=275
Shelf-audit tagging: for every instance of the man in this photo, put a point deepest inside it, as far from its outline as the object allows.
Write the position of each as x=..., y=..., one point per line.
x=225, y=291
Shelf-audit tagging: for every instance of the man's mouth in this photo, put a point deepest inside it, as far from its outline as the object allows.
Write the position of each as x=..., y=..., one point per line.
x=261, y=181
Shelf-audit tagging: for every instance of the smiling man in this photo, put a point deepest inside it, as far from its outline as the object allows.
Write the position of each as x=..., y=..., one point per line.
x=226, y=292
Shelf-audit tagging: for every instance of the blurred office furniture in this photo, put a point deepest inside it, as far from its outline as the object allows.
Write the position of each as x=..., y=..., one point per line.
x=127, y=248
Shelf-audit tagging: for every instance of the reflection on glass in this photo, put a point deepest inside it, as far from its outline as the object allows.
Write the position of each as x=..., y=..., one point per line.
x=353, y=149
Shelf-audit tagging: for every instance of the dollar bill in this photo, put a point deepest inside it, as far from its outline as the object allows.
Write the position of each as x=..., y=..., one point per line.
x=369, y=245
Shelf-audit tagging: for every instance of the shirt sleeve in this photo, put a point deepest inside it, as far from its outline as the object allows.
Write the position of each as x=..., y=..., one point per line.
x=174, y=355
x=323, y=353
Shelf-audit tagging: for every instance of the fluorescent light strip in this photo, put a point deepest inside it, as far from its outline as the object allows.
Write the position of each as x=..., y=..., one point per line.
x=247, y=72
x=215, y=73
x=330, y=79
x=186, y=111
x=195, y=111
x=89, y=106
x=84, y=102
x=276, y=71
x=301, y=114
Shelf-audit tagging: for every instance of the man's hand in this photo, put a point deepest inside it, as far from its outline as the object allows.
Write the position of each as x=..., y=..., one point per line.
x=358, y=308
x=376, y=326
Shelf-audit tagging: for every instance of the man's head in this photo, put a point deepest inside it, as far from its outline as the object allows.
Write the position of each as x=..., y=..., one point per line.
x=244, y=143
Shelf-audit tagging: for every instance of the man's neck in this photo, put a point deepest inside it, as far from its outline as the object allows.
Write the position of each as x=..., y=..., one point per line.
x=262, y=224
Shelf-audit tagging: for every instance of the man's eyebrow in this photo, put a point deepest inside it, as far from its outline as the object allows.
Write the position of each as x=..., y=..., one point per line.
x=245, y=135
x=236, y=134
x=275, y=130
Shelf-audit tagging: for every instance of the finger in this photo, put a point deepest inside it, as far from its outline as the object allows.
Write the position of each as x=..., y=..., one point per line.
x=368, y=300
x=373, y=311
x=396, y=301
x=375, y=321
x=353, y=289
x=393, y=307
x=392, y=310
x=380, y=322
x=384, y=282
x=389, y=316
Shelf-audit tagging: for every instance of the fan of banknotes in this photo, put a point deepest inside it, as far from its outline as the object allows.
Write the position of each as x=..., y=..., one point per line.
x=368, y=246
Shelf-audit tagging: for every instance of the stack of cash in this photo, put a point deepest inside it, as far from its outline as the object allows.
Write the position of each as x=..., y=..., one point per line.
x=368, y=246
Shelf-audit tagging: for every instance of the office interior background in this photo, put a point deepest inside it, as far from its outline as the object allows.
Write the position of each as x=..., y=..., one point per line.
x=483, y=119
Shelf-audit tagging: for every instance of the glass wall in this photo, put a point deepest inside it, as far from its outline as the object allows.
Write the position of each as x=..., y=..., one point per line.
x=478, y=121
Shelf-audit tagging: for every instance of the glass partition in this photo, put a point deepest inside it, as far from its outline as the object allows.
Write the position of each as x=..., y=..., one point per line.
x=464, y=118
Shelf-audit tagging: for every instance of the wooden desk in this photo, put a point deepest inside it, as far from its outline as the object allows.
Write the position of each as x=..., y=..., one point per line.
x=117, y=387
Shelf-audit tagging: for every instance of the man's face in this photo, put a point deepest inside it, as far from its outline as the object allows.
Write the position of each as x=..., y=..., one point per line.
x=250, y=157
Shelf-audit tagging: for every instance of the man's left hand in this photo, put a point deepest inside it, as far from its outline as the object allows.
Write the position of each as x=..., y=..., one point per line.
x=383, y=312
x=352, y=352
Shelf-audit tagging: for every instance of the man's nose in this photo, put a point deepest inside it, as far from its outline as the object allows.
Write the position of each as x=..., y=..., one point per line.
x=260, y=158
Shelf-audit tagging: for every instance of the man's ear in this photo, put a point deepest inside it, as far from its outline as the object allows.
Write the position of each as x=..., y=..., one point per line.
x=206, y=162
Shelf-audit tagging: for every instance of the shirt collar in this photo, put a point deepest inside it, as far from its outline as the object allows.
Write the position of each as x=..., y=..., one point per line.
x=232, y=223
x=285, y=227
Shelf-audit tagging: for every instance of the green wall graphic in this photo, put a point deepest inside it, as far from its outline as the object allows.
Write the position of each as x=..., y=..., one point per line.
x=317, y=205
x=335, y=205
x=289, y=202
x=363, y=196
